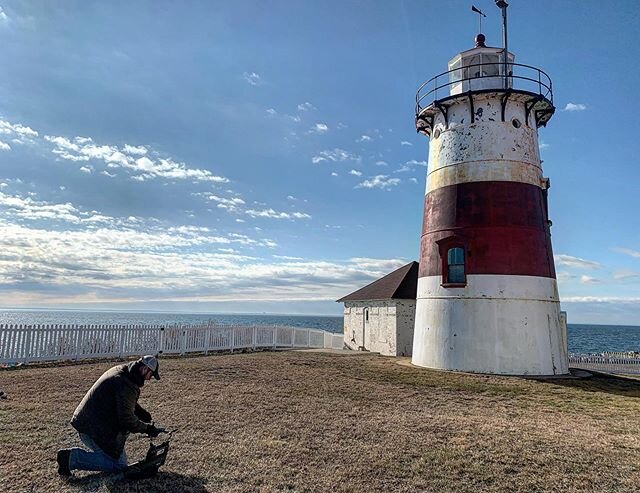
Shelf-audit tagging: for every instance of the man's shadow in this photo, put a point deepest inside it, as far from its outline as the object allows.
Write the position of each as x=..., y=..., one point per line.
x=162, y=482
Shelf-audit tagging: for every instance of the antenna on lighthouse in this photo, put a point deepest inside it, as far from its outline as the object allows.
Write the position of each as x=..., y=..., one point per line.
x=480, y=13
x=501, y=4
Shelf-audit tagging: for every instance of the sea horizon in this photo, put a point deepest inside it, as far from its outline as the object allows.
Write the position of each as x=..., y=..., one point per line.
x=582, y=338
x=225, y=313
x=171, y=312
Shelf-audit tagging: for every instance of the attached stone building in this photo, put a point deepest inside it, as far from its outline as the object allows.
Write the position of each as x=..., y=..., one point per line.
x=380, y=316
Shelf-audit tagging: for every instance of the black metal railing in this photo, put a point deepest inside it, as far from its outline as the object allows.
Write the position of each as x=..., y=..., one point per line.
x=519, y=78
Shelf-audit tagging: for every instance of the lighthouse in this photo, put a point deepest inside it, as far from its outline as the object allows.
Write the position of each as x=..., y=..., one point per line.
x=487, y=296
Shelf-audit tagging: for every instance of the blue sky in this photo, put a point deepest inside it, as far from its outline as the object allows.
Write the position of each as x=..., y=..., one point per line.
x=262, y=156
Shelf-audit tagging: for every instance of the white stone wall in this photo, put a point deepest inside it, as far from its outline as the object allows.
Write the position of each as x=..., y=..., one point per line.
x=405, y=322
x=381, y=332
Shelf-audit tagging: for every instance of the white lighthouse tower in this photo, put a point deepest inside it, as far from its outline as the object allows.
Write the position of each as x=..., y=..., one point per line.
x=487, y=298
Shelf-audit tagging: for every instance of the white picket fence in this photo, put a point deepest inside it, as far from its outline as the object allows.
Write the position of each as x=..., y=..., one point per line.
x=609, y=362
x=33, y=343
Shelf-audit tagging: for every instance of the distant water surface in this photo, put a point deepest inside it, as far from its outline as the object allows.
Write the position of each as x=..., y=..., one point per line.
x=582, y=338
x=33, y=317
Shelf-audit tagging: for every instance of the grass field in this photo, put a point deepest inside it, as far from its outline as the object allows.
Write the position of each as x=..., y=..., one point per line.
x=322, y=422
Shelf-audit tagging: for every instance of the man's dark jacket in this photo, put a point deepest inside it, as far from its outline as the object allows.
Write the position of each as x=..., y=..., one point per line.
x=109, y=410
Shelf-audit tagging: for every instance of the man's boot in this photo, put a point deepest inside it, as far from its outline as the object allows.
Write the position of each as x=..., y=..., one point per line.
x=63, y=462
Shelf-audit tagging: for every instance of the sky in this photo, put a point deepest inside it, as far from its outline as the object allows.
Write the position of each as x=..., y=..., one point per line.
x=255, y=157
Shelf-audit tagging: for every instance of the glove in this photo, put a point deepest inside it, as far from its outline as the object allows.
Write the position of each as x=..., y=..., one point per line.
x=142, y=414
x=154, y=431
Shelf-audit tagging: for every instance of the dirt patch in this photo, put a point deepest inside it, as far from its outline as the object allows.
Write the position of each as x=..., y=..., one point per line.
x=318, y=422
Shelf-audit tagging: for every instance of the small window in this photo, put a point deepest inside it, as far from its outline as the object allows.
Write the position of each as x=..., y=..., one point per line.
x=366, y=314
x=455, y=266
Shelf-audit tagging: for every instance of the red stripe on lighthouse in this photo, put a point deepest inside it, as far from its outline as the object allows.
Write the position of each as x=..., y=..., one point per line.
x=502, y=226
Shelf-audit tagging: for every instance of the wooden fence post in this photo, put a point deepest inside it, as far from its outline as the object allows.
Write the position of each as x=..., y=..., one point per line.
x=27, y=344
x=122, y=334
x=78, y=332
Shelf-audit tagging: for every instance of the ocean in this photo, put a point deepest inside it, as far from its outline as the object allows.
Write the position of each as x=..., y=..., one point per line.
x=582, y=338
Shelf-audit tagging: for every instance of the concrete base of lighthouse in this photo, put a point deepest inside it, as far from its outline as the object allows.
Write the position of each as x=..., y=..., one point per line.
x=508, y=325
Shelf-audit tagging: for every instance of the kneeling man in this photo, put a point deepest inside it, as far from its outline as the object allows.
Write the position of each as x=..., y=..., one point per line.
x=106, y=415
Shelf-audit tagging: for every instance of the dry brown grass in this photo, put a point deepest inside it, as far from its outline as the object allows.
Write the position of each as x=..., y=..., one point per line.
x=318, y=422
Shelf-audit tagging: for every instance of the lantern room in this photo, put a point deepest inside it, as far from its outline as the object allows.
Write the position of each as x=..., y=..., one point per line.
x=480, y=68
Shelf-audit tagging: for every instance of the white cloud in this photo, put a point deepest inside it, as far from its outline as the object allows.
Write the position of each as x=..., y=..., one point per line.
x=628, y=251
x=319, y=128
x=252, y=78
x=379, y=181
x=286, y=257
x=4, y=146
x=136, y=150
x=355, y=172
x=382, y=163
x=272, y=214
x=134, y=158
x=626, y=274
x=378, y=265
x=403, y=169
x=543, y=146
x=87, y=169
x=28, y=208
x=575, y=107
x=333, y=173
x=18, y=129
x=272, y=112
x=294, y=118
x=335, y=155
x=127, y=265
x=577, y=262
x=106, y=173
x=589, y=280
x=291, y=197
x=230, y=204
x=564, y=276
x=601, y=299
x=306, y=107
x=414, y=162
x=413, y=180
x=364, y=138
x=4, y=18
x=405, y=143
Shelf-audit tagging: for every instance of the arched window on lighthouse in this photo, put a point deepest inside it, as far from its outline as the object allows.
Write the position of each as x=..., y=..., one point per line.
x=455, y=266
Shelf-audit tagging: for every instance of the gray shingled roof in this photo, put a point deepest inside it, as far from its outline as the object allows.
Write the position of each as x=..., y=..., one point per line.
x=400, y=284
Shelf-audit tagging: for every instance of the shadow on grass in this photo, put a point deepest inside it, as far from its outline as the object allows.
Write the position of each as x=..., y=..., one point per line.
x=602, y=382
x=161, y=482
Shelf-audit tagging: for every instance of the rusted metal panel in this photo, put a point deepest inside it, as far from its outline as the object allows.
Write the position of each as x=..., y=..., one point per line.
x=502, y=225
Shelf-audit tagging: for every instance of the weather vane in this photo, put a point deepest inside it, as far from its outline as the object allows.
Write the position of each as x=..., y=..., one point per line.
x=480, y=13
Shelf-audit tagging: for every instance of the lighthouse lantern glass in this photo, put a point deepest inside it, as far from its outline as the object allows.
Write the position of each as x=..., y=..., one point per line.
x=478, y=69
